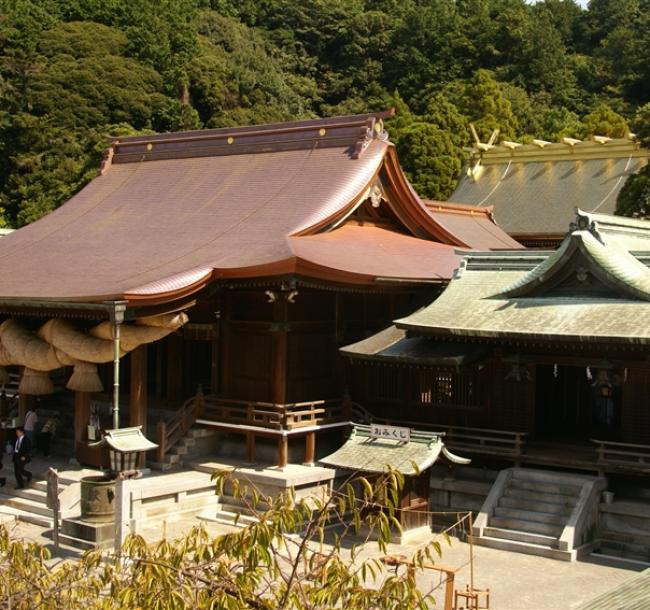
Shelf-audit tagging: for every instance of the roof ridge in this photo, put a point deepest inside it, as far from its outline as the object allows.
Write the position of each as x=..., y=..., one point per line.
x=354, y=132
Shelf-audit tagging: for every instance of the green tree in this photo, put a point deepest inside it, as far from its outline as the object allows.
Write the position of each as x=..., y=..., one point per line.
x=603, y=121
x=430, y=159
x=634, y=198
x=286, y=559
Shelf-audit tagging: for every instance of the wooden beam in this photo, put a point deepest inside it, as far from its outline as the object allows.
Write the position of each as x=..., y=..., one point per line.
x=174, y=367
x=279, y=356
x=250, y=447
x=310, y=447
x=81, y=420
x=283, y=451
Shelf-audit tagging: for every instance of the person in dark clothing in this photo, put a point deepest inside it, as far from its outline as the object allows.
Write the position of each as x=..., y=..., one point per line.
x=22, y=449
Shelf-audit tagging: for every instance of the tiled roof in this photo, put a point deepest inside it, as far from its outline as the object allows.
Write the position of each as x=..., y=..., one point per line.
x=633, y=594
x=533, y=189
x=366, y=454
x=521, y=295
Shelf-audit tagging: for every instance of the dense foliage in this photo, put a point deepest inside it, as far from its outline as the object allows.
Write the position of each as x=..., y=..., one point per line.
x=308, y=554
x=74, y=71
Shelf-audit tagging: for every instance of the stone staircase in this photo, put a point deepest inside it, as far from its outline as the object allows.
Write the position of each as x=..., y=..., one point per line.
x=540, y=512
x=191, y=444
x=30, y=504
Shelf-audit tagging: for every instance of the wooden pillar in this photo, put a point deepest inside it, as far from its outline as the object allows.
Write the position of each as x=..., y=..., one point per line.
x=250, y=447
x=280, y=342
x=215, y=355
x=174, y=368
x=283, y=451
x=310, y=448
x=160, y=373
x=138, y=398
x=81, y=420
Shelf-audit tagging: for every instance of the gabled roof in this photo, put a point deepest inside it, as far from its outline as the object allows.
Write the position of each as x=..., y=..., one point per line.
x=533, y=188
x=168, y=213
x=594, y=288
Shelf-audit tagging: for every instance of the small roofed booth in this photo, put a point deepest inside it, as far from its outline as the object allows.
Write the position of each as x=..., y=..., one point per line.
x=374, y=448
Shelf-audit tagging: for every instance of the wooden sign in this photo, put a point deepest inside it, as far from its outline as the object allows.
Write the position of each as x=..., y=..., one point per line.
x=394, y=433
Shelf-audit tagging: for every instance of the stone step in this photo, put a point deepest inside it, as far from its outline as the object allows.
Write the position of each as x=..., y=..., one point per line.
x=200, y=432
x=83, y=545
x=230, y=518
x=188, y=441
x=524, y=547
x=535, y=505
x=642, y=539
x=517, y=536
x=529, y=515
x=527, y=494
x=32, y=493
x=27, y=505
x=545, y=487
x=627, y=550
x=179, y=449
x=547, y=529
x=8, y=515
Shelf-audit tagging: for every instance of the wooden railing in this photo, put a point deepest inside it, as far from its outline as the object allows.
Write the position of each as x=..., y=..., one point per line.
x=263, y=415
x=272, y=416
x=487, y=441
x=169, y=433
x=623, y=455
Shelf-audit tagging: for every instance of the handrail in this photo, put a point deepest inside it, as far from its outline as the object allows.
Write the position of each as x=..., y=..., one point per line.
x=169, y=433
x=476, y=440
x=272, y=415
x=614, y=453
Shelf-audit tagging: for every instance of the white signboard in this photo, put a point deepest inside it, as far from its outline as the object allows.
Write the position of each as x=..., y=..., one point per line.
x=395, y=433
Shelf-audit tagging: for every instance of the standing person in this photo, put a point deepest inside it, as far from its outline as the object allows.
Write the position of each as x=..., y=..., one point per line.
x=44, y=437
x=31, y=419
x=21, y=457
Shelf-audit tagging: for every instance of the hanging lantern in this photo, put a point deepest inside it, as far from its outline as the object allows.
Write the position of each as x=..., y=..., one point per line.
x=35, y=383
x=84, y=378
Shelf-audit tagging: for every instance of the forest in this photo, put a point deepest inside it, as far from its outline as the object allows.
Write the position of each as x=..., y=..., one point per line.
x=73, y=72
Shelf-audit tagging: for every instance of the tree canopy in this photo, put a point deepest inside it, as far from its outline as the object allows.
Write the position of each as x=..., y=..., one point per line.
x=74, y=71
x=297, y=554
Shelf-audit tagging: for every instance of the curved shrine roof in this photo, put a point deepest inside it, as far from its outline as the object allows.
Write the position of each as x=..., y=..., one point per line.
x=594, y=288
x=168, y=213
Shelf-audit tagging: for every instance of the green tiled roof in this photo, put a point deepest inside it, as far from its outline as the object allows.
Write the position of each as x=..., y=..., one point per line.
x=633, y=594
x=515, y=296
x=365, y=454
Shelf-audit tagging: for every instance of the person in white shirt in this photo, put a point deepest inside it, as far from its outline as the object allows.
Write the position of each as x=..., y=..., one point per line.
x=31, y=419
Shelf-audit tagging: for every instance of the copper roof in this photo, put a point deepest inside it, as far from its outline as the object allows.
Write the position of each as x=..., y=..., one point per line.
x=170, y=212
x=475, y=226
